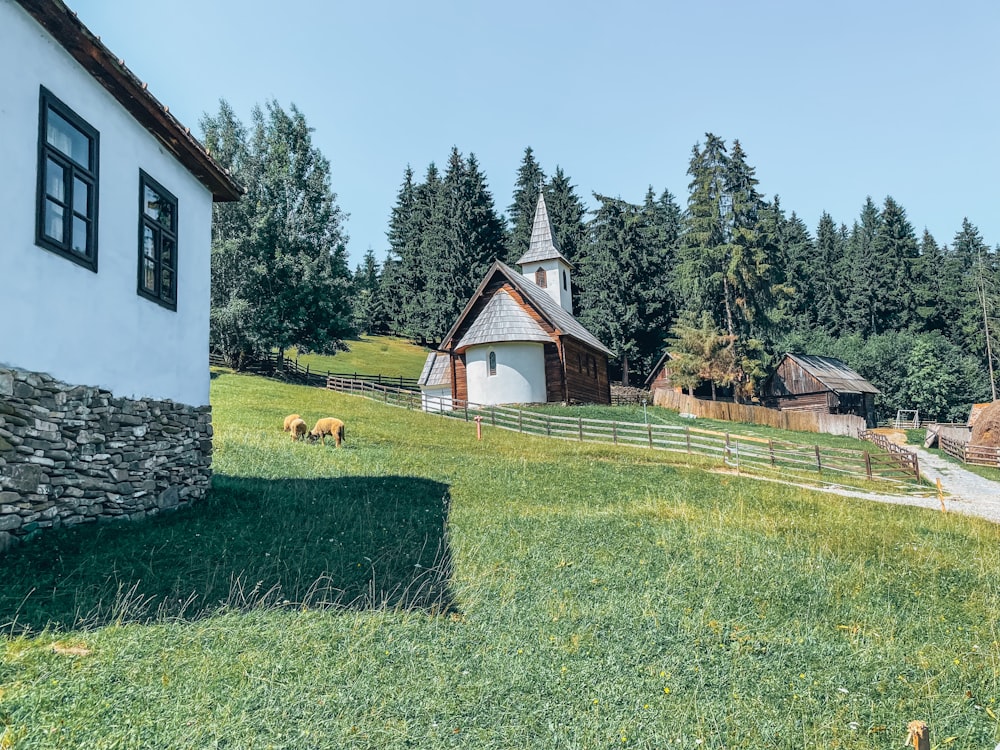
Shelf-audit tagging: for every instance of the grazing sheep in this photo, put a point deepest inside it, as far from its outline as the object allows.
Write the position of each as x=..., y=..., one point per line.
x=288, y=421
x=328, y=426
x=298, y=429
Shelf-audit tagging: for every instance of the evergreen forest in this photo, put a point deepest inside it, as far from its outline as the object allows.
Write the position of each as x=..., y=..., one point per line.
x=724, y=277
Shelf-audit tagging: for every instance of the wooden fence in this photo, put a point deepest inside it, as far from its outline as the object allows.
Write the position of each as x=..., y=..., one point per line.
x=802, y=421
x=292, y=371
x=906, y=461
x=740, y=452
x=970, y=454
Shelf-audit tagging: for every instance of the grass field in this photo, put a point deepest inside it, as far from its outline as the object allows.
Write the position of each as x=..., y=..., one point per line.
x=383, y=355
x=417, y=588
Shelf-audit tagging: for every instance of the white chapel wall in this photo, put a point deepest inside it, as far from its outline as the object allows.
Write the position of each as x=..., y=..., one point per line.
x=520, y=373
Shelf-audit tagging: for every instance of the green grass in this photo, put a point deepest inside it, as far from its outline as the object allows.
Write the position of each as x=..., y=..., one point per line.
x=385, y=355
x=508, y=593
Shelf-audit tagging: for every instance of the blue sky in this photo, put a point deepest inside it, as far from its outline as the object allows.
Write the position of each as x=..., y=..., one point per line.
x=832, y=102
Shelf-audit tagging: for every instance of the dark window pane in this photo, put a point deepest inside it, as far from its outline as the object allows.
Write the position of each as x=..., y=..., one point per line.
x=68, y=139
x=54, y=226
x=149, y=275
x=167, y=284
x=167, y=252
x=80, y=243
x=148, y=243
x=81, y=197
x=55, y=180
x=167, y=214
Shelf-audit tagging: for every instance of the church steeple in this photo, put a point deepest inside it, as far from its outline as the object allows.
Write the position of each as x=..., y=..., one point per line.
x=543, y=263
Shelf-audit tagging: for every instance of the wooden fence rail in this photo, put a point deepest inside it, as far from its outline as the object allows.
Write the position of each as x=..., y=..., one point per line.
x=906, y=461
x=292, y=371
x=740, y=452
x=980, y=455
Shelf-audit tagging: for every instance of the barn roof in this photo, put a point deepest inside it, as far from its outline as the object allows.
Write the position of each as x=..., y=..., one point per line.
x=503, y=320
x=657, y=367
x=542, y=245
x=833, y=373
x=436, y=371
x=110, y=71
x=546, y=307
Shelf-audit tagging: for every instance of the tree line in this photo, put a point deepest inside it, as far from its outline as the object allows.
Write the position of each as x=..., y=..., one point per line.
x=728, y=281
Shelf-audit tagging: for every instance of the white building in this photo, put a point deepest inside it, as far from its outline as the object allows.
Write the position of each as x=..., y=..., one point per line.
x=517, y=341
x=107, y=209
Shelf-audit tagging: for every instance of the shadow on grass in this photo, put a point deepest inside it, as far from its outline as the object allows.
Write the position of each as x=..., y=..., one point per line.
x=353, y=542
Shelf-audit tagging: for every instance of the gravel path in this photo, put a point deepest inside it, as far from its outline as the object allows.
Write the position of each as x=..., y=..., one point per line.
x=964, y=491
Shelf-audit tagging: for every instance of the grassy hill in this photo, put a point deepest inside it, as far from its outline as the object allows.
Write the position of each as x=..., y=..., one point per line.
x=418, y=588
x=385, y=355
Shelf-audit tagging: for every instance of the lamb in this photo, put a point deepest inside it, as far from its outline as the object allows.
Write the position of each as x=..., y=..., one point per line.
x=328, y=426
x=298, y=429
x=288, y=421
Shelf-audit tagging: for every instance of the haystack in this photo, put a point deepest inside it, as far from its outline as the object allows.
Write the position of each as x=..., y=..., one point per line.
x=986, y=431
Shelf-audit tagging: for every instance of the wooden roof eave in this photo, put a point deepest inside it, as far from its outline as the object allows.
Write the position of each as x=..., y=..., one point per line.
x=110, y=71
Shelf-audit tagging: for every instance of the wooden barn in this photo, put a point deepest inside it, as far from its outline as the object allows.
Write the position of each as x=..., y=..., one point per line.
x=806, y=382
x=517, y=341
x=660, y=378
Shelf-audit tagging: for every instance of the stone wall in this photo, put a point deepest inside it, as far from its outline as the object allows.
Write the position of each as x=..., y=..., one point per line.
x=77, y=454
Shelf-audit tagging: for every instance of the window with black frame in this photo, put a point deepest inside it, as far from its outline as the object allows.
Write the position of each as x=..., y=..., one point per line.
x=66, y=221
x=157, y=242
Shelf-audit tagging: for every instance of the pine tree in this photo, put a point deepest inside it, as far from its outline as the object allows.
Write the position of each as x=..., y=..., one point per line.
x=828, y=292
x=895, y=247
x=401, y=277
x=369, y=316
x=521, y=212
x=567, y=215
x=863, y=275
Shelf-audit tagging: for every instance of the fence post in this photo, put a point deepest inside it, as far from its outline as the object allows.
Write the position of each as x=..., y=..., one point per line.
x=728, y=457
x=649, y=430
x=770, y=448
x=579, y=421
x=466, y=411
x=868, y=464
x=386, y=392
x=520, y=427
x=918, y=736
x=819, y=464
x=409, y=401
x=548, y=429
x=614, y=432
x=916, y=466
x=687, y=435
x=493, y=416
x=736, y=444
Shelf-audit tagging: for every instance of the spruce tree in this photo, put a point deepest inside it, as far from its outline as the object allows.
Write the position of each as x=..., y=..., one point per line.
x=862, y=272
x=895, y=247
x=369, y=316
x=521, y=212
x=828, y=293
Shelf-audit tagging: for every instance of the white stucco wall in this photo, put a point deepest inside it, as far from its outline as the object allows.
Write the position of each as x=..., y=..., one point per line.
x=554, y=269
x=57, y=317
x=436, y=399
x=520, y=377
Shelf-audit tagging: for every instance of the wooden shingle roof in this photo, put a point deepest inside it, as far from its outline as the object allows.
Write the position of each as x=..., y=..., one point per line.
x=546, y=307
x=543, y=242
x=833, y=374
x=436, y=371
x=503, y=320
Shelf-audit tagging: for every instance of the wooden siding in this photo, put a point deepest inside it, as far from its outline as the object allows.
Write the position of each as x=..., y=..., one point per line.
x=459, y=383
x=791, y=379
x=555, y=383
x=586, y=374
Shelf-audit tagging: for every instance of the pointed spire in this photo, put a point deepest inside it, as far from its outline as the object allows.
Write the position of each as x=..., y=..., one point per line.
x=543, y=244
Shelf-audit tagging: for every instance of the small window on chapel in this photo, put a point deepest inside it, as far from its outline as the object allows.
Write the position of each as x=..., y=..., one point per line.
x=565, y=282
x=540, y=277
x=493, y=363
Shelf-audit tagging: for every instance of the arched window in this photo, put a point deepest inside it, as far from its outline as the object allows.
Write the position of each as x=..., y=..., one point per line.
x=540, y=277
x=565, y=282
x=493, y=363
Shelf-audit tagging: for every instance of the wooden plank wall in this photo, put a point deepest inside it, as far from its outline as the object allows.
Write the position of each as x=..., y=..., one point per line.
x=586, y=373
x=803, y=421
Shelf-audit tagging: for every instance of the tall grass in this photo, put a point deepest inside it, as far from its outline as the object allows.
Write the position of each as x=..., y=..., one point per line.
x=385, y=355
x=587, y=597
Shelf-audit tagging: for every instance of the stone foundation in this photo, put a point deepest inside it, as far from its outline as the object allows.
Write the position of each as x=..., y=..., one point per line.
x=77, y=454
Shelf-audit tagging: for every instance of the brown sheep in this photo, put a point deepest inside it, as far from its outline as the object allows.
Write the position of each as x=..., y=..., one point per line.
x=298, y=429
x=329, y=426
x=288, y=421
